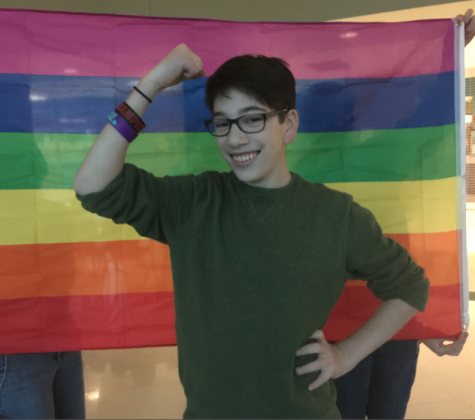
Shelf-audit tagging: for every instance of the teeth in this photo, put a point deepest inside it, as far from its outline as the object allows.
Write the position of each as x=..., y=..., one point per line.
x=244, y=158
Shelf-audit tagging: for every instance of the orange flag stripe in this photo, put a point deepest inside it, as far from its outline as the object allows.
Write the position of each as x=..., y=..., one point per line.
x=436, y=252
x=84, y=268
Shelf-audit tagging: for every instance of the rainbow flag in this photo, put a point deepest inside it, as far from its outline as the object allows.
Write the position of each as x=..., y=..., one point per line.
x=381, y=118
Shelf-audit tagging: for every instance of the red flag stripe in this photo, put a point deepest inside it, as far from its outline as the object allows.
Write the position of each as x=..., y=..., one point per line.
x=87, y=322
x=441, y=318
x=147, y=319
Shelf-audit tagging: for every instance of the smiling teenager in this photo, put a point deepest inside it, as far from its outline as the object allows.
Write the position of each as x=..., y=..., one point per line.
x=259, y=255
x=250, y=135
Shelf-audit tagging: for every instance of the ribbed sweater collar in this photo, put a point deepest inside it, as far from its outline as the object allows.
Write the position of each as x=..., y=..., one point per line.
x=247, y=189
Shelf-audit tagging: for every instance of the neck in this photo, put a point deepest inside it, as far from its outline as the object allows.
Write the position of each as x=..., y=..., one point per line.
x=278, y=181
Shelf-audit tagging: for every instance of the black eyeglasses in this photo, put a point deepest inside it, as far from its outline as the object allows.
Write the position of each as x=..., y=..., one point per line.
x=249, y=124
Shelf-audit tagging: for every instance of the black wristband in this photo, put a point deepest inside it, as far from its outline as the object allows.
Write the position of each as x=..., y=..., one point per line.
x=143, y=94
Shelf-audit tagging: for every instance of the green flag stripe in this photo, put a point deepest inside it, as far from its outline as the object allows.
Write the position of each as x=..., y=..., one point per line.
x=50, y=161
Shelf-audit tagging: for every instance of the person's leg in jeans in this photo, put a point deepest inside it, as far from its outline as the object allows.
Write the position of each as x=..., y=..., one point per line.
x=26, y=385
x=392, y=377
x=352, y=390
x=68, y=387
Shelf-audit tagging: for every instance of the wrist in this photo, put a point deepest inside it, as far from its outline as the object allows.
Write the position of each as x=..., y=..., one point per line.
x=149, y=87
x=349, y=357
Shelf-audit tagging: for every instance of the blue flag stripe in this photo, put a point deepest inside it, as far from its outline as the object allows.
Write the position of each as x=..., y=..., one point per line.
x=80, y=105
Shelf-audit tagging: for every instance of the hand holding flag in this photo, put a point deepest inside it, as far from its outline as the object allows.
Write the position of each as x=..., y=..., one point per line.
x=438, y=346
x=469, y=21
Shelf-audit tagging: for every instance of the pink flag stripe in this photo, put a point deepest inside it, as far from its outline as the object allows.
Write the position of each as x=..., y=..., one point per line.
x=121, y=46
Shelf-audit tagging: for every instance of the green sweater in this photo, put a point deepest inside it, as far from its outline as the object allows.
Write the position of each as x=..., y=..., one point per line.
x=256, y=271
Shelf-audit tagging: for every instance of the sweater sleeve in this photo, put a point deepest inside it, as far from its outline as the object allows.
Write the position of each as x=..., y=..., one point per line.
x=155, y=207
x=387, y=267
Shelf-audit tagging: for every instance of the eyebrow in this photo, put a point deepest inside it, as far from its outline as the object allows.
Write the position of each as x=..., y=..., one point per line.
x=241, y=111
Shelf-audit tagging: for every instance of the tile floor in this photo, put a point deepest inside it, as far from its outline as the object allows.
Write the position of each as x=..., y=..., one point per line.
x=444, y=387
x=143, y=383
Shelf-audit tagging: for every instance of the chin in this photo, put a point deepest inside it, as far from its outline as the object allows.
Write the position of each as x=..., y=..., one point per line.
x=249, y=177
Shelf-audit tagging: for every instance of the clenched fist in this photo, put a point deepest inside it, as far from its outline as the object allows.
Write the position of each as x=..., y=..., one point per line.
x=178, y=65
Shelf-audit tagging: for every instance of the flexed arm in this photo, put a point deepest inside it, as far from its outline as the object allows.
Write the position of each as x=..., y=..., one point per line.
x=106, y=157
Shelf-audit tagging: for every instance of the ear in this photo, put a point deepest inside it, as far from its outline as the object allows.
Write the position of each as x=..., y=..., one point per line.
x=292, y=125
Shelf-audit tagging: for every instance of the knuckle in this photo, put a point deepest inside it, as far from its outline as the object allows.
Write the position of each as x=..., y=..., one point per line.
x=318, y=334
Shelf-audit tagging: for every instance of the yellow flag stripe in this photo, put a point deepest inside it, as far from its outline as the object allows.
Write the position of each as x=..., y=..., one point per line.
x=408, y=207
x=56, y=216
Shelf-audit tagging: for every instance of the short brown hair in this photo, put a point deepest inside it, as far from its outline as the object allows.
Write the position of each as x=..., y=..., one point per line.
x=266, y=79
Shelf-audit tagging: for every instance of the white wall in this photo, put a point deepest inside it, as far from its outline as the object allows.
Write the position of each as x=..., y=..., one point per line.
x=239, y=10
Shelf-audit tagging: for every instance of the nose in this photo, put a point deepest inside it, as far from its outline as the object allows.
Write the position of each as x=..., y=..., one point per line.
x=236, y=137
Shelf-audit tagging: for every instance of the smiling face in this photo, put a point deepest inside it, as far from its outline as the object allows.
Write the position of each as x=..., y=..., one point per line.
x=257, y=159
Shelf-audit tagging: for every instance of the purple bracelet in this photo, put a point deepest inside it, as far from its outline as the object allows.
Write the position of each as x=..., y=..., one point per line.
x=123, y=127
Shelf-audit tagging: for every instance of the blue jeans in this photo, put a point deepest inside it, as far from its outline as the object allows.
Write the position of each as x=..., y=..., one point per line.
x=379, y=387
x=42, y=385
